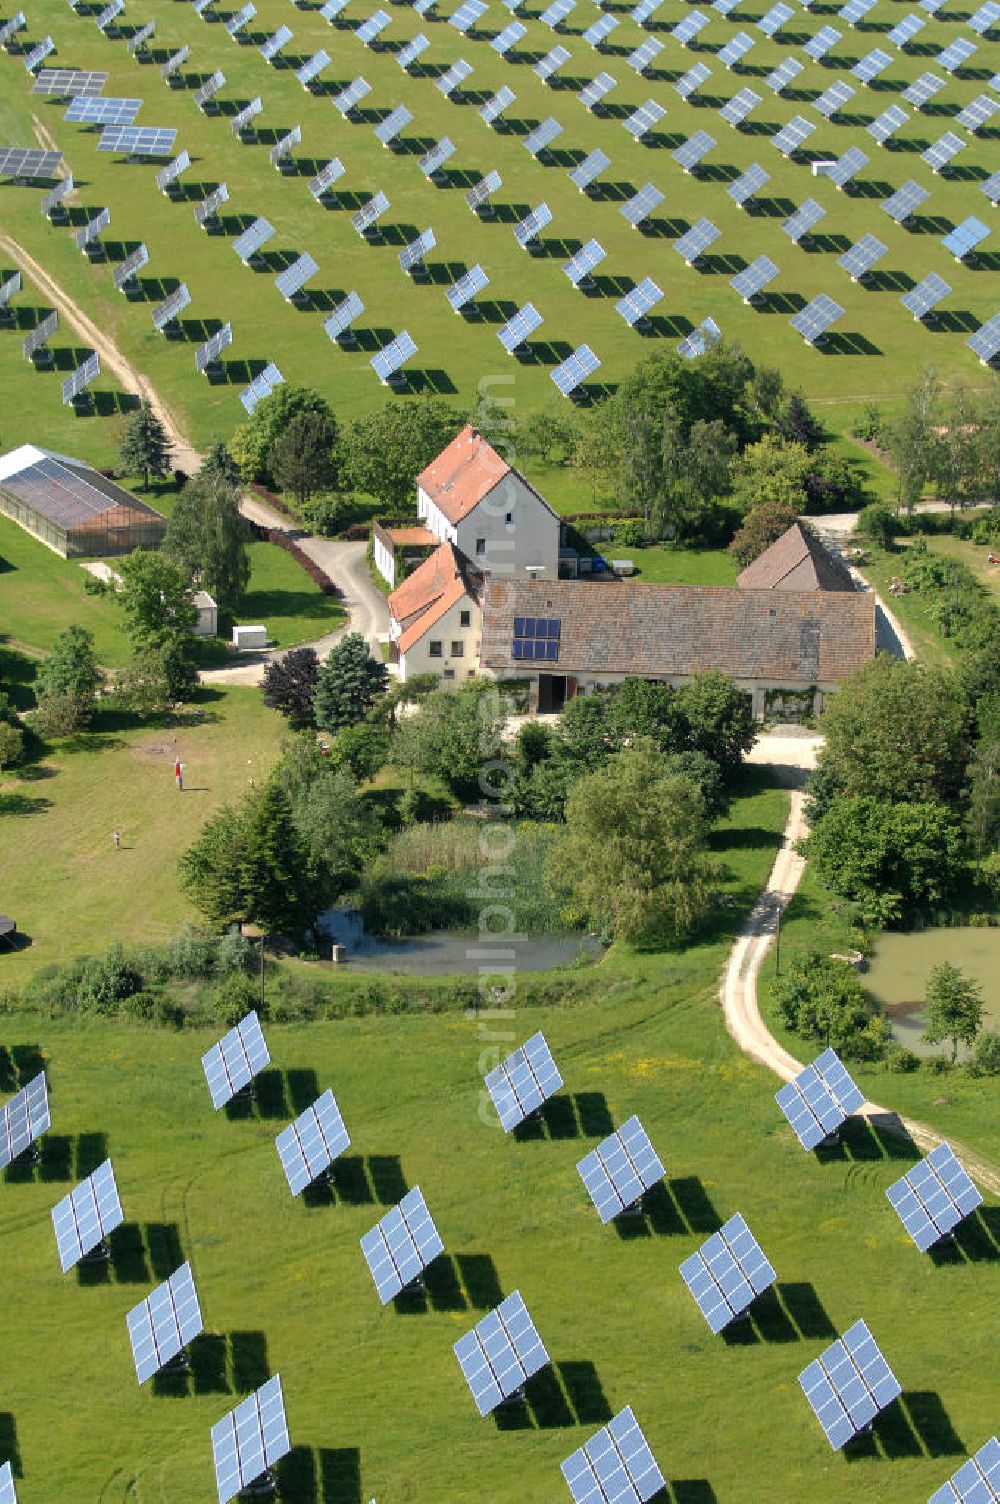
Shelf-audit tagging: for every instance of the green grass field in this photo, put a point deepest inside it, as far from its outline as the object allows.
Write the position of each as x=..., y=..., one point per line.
x=875, y=354
x=282, y=596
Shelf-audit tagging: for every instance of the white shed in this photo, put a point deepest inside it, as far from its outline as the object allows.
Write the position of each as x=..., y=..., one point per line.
x=207, y=621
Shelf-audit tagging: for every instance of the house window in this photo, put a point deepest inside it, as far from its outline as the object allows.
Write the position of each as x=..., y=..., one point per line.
x=465, y=619
x=509, y=519
x=471, y=673
x=449, y=673
x=458, y=650
x=480, y=546
x=434, y=649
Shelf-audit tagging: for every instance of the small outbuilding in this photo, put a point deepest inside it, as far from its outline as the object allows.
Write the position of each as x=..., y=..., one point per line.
x=207, y=621
x=73, y=509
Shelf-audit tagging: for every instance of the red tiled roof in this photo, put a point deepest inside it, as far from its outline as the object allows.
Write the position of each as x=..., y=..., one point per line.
x=405, y=537
x=463, y=473
x=425, y=595
x=796, y=561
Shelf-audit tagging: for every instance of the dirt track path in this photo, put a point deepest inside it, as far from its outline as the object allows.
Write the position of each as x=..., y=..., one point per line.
x=185, y=456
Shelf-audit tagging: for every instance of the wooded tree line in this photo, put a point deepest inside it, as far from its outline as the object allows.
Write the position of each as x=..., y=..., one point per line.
x=947, y=441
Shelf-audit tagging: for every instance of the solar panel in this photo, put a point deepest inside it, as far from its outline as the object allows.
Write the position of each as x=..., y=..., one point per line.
x=977, y=112
x=10, y=285
x=291, y=281
x=456, y=74
x=8, y=1494
x=370, y=213
x=642, y=120
x=991, y=187
x=965, y=237
x=934, y=1197
x=370, y=30
x=250, y=1439
x=819, y=45
x=10, y=28
x=736, y=110
x=615, y=1466
x=822, y=1096
x=585, y=172
x=517, y=329
x=834, y=98
x=644, y=55
x=461, y=293
x=136, y=43
x=480, y=193
x=67, y=83
x=556, y=13
x=496, y=105
x=569, y=374
x=858, y=261
x=282, y=149
x=600, y=30
x=986, y=341
x=736, y=48
x=699, y=340
x=636, y=304
x=401, y=1245
x=414, y=254
x=785, y=73
x=28, y=162
x=956, y=54
x=887, y=124
x=694, y=242
x=432, y=161
x=41, y=334
x=269, y=50
x=209, y=89
x=39, y=53
x=542, y=136
x=386, y=363
x=855, y=11
x=92, y=229
x=164, y=313
x=83, y=1219
x=138, y=140
x=977, y=1481
x=422, y=7
x=89, y=111
x=691, y=151
x=408, y=55
x=985, y=18
x=162, y=1325
x=508, y=38
x=525, y=1079
x=926, y=295
x=343, y=316
x=693, y=79
x=169, y=174
x=253, y=237
x=208, y=354
x=930, y=6
x=905, y=30
x=468, y=13
x=324, y=180
x=25, y=1117
x=526, y=230
x=595, y=91
x=394, y=123
x=125, y=272
x=688, y=27
x=941, y=151
x=202, y=7
x=500, y=1354
x=242, y=119
x=620, y=1170
x=922, y=89
x=175, y=62
x=262, y=386
x=775, y=18
x=906, y=199
x=642, y=12
x=748, y=184
x=792, y=135
x=332, y=9
x=231, y=1065
x=308, y=1147
x=727, y=1273
x=550, y=64
x=312, y=68
x=348, y=99
x=848, y=166
x=754, y=278
x=849, y=1384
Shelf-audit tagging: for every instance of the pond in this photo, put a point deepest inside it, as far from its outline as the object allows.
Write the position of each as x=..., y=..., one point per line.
x=451, y=952
x=900, y=963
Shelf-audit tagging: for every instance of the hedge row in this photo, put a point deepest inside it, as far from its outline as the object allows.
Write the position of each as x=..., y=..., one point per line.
x=318, y=576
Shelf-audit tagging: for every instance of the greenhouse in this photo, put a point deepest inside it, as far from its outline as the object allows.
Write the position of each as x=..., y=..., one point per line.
x=73, y=509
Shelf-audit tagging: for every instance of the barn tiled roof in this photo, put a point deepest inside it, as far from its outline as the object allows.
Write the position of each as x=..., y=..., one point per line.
x=796, y=561
x=668, y=631
x=433, y=588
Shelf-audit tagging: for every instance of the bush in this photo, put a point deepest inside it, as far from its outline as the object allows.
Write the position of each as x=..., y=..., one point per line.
x=192, y=953
x=630, y=535
x=986, y=527
x=901, y=1060
x=107, y=981
x=235, y=998
x=140, y=1007
x=987, y=1057
x=878, y=523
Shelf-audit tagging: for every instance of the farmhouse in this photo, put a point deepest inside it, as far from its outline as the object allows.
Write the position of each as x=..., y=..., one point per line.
x=72, y=508
x=435, y=618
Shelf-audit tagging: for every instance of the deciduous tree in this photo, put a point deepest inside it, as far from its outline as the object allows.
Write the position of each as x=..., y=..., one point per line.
x=302, y=458
x=954, y=1007
x=207, y=536
x=385, y=450
x=761, y=527
x=289, y=684
x=253, y=440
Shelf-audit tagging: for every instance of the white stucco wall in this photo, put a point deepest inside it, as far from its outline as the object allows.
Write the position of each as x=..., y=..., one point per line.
x=529, y=538
x=446, y=630
x=385, y=561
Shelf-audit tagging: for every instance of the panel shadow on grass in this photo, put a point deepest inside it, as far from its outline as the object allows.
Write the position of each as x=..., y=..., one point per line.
x=974, y=1241
x=248, y=1361
x=480, y=1279
x=443, y=1289
x=915, y=1425
x=8, y=1442
x=320, y=1475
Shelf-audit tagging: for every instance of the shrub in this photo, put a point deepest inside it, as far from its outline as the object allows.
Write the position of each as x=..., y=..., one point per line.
x=192, y=953
x=236, y=997
x=986, y=528
x=629, y=535
x=901, y=1060
x=140, y=1006
x=107, y=981
x=987, y=1056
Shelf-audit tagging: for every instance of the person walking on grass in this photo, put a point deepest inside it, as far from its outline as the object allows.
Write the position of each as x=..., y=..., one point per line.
x=179, y=774
x=116, y=836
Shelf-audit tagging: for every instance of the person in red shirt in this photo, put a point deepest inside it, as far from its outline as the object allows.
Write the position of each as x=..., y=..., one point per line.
x=179, y=774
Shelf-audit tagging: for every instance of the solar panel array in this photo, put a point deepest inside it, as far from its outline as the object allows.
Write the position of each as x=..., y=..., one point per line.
x=162, y=1325
x=574, y=370
x=84, y=1218
x=175, y=62
x=735, y=49
x=791, y=136
x=393, y=125
x=934, y=1197
x=786, y=73
x=691, y=151
x=641, y=205
x=8, y=1494
x=542, y=137
x=645, y=55
x=25, y=1117
x=480, y=193
x=496, y=104
x=461, y=293
x=164, y=313
x=905, y=30
x=348, y=99
x=985, y=343
x=98, y=111
x=208, y=354
x=587, y=171
x=615, y=1466
x=689, y=27
x=39, y=53
x=242, y=119
x=991, y=187
x=550, y=64
x=517, y=329
x=137, y=41
x=976, y=1481
x=408, y=55
x=736, y=110
x=260, y=387
x=956, y=54
x=868, y=68
x=816, y=318
x=526, y=230
x=370, y=30
x=977, y=113
x=747, y=184
x=696, y=241
x=754, y=278
x=862, y=256
x=401, y=1245
x=635, y=306
x=169, y=174
x=986, y=18
x=387, y=363
x=849, y=1384
x=269, y=50
x=727, y=1273
x=644, y=119
x=848, y=166
x=92, y=229
x=922, y=89
x=414, y=254
x=282, y=149
x=580, y=265
x=231, y=1065
x=10, y=284
x=700, y=340
x=291, y=281
x=312, y=68
x=343, y=316
x=247, y=244
x=370, y=213
x=324, y=180
x=926, y=295
x=250, y=1440
x=500, y=1354
x=885, y=126
x=821, y=42
x=10, y=28
x=138, y=140
x=68, y=82
x=943, y=150
x=43, y=331
x=823, y=1095
x=206, y=93
x=523, y=1081
x=133, y=263
x=619, y=1171
x=596, y=90
x=432, y=161
x=905, y=201
x=456, y=74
